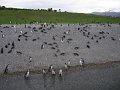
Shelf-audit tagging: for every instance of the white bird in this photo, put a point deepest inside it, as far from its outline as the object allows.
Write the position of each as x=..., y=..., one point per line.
x=27, y=74
x=53, y=72
x=66, y=66
x=82, y=62
x=60, y=73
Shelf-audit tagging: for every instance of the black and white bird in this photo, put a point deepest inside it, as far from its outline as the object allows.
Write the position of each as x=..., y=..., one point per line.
x=1, y=51
x=53, y=72
x=44, y=72
x=27, y=74
x=60, y=73
x=50, y=68
x=66, y=66
x=3, y=35
x=62, y=40
x=30, y=58
x=69, y=63
x=6, y=69
x=21, y=32
x=42, y=46
x=82, y=62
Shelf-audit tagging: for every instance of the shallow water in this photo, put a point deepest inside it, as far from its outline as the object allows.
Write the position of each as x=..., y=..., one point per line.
x=85, y=79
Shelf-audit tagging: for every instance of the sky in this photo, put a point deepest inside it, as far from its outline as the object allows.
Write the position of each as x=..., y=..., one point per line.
x=80, y=6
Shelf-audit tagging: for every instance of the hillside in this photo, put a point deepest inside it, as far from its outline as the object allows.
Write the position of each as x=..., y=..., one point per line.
x=30, y=16
x=112, y=14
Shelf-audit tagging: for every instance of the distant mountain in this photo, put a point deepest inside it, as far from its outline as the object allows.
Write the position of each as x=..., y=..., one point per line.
x=112, y=14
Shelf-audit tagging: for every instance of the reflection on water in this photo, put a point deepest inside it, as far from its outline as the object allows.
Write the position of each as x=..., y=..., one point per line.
x=45, y=81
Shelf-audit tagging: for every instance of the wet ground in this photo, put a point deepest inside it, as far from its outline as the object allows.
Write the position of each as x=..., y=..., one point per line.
x=97, y=78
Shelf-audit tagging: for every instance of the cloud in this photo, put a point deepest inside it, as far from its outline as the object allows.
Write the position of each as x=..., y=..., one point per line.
x=65, y=5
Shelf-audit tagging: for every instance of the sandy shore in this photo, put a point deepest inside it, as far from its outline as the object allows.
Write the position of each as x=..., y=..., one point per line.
x=35, y=47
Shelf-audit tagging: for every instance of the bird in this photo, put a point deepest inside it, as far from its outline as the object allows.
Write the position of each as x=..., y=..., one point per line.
x=82, y=62
x=6, y=46
x=42, y=46
x=60, y=73
x=66, y=66
x=53, y=72
x=30, y=58
x=13, y=44
x=3, y=35
x=69, y=64
x=50, y=68
x=27, y=74
x=21, y=32
x=62, y=40
x=87, y=46
x=44, y=72
x=6, y=69
x=1, y=51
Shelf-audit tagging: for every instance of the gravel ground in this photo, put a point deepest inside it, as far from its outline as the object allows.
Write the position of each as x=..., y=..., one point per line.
x=34, y=47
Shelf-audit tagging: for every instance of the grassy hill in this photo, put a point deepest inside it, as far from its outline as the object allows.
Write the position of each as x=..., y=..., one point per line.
x=29, y=16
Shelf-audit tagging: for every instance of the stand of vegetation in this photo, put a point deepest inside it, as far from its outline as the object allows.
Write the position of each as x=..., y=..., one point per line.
x=15, y=15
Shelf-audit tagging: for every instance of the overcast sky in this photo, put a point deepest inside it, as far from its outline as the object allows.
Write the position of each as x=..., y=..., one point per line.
x=85, y=6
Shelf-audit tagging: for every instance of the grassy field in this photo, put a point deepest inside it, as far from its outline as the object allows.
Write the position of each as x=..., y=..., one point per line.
x=29, y=16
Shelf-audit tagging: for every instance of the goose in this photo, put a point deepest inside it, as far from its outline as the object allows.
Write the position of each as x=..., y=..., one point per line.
x=60, y=73
x=27, y=74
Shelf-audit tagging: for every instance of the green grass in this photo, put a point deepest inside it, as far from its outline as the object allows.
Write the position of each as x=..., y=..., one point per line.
x=28, y=16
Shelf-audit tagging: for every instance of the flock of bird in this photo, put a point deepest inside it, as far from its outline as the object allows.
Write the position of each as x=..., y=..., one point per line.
x=62, y=38
x=51, y=69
